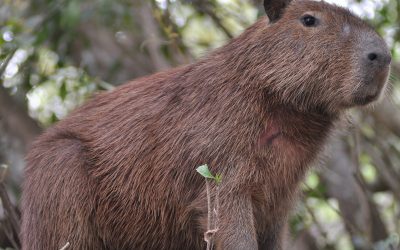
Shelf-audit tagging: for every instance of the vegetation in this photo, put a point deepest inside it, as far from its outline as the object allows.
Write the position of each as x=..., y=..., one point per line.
x=54, y=54
x=212, y=204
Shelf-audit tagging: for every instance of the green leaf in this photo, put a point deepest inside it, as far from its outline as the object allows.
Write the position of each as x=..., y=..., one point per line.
x=63, y=91
x=205, y=172
x=218, y=178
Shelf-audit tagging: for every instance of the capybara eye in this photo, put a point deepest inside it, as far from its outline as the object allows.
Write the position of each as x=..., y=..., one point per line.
x=309, y=21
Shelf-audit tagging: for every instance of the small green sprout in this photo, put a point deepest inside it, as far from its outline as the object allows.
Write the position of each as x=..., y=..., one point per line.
x=205, y=172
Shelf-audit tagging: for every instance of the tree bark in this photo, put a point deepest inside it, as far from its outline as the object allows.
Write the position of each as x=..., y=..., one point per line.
x=358, y=212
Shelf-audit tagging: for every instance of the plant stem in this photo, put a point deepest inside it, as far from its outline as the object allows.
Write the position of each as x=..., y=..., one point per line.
x=209, y=216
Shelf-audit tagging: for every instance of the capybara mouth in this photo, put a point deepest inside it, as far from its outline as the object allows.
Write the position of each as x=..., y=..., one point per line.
x=366, y=99
x=371, y=88
x=369, y=92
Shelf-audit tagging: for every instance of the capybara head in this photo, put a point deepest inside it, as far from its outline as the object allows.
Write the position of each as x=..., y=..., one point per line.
x=319, y=56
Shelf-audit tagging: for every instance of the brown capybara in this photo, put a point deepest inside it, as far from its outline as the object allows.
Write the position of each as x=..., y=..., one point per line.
x=119, y=172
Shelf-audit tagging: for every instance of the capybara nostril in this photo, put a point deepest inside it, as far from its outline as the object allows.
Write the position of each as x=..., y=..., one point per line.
x=377, y=59
x=372, y=56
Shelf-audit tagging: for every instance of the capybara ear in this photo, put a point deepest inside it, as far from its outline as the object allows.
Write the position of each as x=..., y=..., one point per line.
x=275, y=8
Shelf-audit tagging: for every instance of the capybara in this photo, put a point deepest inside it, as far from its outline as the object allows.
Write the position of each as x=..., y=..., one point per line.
x=120, y=171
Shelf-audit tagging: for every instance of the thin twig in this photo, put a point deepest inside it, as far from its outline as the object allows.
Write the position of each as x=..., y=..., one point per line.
x=6, y=226
x=212, y=215
x=323, y=233
x=11, y=215
x=6, y=61
x=216, y=210
x=204, y=7
x=65, y=246
x=8, y=206
x=207, y=236
x=337, y=211
x=384, y=164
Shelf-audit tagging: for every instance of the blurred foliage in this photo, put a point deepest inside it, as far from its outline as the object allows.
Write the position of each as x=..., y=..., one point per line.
x=54, y=54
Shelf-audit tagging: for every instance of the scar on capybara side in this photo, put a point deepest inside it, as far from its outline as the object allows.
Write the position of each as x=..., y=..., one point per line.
x=119, y=172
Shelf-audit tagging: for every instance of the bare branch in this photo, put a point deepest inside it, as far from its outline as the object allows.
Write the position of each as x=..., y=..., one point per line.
x=153, y=42
x=12, y=217
x=204, y=7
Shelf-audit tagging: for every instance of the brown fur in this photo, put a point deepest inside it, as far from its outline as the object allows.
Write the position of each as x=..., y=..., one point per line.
x=119, y=172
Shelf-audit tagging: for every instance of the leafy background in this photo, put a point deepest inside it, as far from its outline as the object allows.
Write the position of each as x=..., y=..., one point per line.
x=55, y=53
